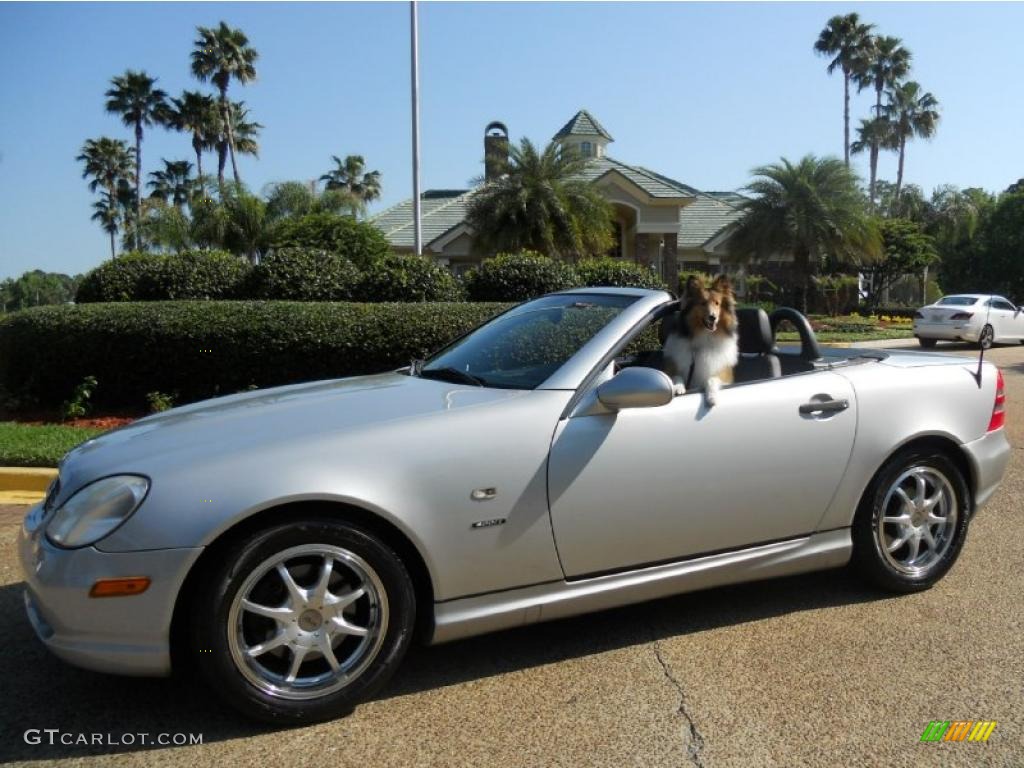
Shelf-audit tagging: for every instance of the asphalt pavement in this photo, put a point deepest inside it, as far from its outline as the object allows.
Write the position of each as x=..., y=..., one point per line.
x=816, y=670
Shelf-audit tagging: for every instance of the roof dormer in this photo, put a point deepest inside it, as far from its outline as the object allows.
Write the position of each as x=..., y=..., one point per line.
x=585, y=135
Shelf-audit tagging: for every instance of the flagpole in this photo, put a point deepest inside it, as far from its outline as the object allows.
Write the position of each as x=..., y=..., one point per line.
x=417, y=230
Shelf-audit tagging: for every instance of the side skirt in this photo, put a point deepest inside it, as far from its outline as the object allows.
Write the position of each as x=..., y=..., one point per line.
x=477, y=615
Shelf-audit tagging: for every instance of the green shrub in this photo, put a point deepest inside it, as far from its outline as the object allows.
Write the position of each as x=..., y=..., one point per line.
x=79, y=405
x=358, y=241
x=195, y=275
x=302, y=274
x=199, y=349
x=159, y=401
x=616, y=272
x=518, y=277
x=118, y=279
x=408, y=278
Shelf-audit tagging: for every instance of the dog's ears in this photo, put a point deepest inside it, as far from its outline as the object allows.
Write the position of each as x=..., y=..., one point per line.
x=721, y=284
x=694, y=286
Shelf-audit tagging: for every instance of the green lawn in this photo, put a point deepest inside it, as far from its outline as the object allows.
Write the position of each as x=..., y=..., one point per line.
x=851, y=336
x=26, y=445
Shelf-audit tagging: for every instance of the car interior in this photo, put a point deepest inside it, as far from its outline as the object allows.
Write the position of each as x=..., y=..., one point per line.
x=761, y=358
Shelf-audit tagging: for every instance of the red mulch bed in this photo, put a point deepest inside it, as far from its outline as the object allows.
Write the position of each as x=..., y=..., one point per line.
x=93, y=422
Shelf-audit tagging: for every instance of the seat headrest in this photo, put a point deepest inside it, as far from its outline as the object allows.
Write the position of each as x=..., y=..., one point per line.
x=755, y=331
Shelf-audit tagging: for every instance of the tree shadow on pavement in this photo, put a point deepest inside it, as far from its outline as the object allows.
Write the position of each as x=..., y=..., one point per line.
x=42, y=692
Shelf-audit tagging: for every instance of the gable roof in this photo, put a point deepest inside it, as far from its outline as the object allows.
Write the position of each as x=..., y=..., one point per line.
x=440, y=209
x=583, y=124
x=652, y=183
x=706, y=217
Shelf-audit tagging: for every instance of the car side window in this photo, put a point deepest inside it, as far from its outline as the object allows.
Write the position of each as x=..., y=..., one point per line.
x=1003, y=304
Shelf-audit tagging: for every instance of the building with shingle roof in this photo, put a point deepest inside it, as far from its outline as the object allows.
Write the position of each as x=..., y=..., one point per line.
x=658, y=221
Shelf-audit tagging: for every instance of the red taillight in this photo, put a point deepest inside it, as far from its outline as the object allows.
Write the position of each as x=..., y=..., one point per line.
x=961, y=316
x=999, y=409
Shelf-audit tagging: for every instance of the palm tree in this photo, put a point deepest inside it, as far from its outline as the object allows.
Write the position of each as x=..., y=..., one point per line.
x=239, y=130
x=873, y=136
x=812, y=210
x=108, y=213
x=110, y=163
x=543, y=204
x=174, y=184
x=846, y=40
x=911, y=113
x=245, y=216
x=133, y=97
x=881, y=65
x=195, y=113
x=350, y=175
x=288, y=199
x=222, y=55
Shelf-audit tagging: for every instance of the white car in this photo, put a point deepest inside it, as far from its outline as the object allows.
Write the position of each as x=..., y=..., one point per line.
x=982, y=318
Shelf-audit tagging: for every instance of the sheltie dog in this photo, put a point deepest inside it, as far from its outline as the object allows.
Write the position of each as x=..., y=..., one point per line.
x=701, y=347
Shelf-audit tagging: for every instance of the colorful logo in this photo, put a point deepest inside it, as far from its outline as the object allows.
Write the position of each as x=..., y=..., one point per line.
x=958, y=730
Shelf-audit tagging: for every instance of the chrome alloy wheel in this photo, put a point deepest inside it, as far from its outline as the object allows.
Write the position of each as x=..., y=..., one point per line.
x=986, y=337
x=918, y=520
x=307, y=621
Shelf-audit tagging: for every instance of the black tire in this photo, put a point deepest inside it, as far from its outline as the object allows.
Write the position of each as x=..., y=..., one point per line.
x=926, y=343
x=867, y=549
x=986, y=339
x=212, y=610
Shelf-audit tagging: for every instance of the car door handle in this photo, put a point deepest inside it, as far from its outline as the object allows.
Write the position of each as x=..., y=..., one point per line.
x=825, y=406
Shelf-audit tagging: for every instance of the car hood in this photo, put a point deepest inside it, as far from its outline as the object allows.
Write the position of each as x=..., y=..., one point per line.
x=278, y=416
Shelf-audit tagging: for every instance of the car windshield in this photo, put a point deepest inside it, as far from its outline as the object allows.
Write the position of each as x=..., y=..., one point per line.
x=957, y=301
x=525, y=346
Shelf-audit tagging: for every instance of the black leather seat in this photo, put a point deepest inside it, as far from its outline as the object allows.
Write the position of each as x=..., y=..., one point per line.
x=757, y=347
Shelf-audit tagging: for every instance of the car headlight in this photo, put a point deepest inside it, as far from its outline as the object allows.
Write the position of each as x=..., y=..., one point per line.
x=96, y=510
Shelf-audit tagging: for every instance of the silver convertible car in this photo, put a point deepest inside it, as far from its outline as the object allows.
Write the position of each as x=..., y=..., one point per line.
x=292, y=542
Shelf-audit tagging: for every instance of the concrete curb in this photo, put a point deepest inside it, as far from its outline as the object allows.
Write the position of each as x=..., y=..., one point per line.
x=24, y=485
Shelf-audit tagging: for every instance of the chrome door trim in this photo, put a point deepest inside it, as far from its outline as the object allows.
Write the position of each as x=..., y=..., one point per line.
x=470, y=616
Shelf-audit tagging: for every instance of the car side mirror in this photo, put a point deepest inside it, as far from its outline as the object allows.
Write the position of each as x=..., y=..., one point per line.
x=637, y=387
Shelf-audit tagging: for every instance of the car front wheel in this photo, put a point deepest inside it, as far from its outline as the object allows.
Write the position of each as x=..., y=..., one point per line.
x=912, y=521
x=304, y=620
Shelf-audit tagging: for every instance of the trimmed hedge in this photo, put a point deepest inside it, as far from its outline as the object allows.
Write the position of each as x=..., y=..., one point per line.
x=615, y=272
x=518, y=277
x=204, y=349
x=195, y=275
x=299, y=274
x=399, y=277
x=117, y=279
x=358, y=241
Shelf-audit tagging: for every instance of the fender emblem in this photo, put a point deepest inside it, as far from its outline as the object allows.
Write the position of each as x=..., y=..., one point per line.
x=488, y=523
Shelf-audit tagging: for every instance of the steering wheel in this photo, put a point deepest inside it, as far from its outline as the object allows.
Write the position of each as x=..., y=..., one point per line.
x=809, y=349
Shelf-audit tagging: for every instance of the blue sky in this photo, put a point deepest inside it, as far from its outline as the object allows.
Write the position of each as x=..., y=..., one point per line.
x=700, y=92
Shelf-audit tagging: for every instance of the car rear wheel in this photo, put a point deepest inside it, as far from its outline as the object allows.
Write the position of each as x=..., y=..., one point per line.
x=926, y=343
x=986, y=338
x=304, y=620
x=912, y=522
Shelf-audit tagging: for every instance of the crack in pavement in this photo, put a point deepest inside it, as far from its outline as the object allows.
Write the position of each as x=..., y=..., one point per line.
x=696, y=745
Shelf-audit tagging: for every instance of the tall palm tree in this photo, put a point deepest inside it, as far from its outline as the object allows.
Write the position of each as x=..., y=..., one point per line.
x=543, y=204
x=174, y=183
x=239, y=130
x=222, y=55
x=883, y=64
x=109, y=162
x=811, y=210
x=133, y=97
x=289, y=199
x=912, y=112
x=873, y=136
x=846, y=40
x=350, y=175
x=195, y=113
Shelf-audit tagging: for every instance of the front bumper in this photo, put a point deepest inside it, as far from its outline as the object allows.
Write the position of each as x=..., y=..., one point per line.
x=989, y=456
x=947, y=331
x=120, y=635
